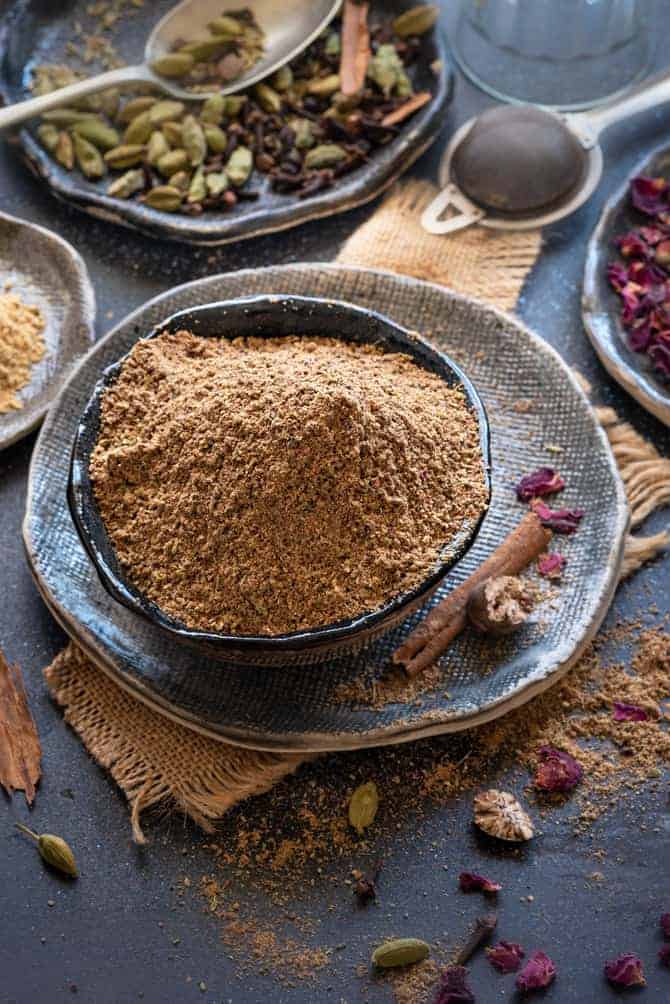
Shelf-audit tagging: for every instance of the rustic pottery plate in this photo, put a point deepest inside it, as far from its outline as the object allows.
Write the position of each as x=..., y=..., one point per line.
x=33, y=32
x=46, y=272
x=601, y=307
x=331, y=706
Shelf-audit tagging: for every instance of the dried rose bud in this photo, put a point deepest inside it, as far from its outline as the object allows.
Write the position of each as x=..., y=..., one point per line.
x=538, y=972
x=662, y=254
x=631, y=245
x=505, y=956
x=558, y=520
x=665, y=925
x=500, y=605
x=625, y=971
x=629, y=712
x=454, y=987
x=551, y=565
x=544, y=481
x=649, y=195
x=557, y=770
x=664, y=955
x=471, y=882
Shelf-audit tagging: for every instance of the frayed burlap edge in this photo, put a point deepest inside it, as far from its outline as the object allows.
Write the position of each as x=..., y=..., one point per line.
x=155, y=761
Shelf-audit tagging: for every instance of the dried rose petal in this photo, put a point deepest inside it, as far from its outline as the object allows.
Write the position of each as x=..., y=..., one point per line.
x=649, y=195
x=652, y=235
x=505, y=956
x=558, y=520
x=631, y=245
x=538, y=972
x=551, y=565
x=471, y=882
x=665, y=925
x=629, y=712
x=454, y=987
x=557, y=771
x=544, y=481
x=664, y=955
x=625, y=971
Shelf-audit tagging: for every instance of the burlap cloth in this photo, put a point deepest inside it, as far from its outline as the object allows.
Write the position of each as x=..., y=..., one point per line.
x=157, y=762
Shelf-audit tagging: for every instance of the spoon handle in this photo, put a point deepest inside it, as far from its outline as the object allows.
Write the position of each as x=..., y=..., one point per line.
x=653, y=91
x=17, y=113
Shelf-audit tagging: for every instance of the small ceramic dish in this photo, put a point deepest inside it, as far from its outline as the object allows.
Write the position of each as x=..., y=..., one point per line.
x=272, y=316
x=601, y=306
x=46, y=272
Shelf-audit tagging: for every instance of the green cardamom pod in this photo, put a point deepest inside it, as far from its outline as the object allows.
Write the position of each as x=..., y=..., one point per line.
x=133, y=108
x=416, y=20
x=173, y=65
x=217, y=141
x=180, y=180
x=234, y=105
x=172, y=161
x=139, y=129
x=164, y=197
x=325, y=155
x=268, y=99
x=64, y=152
x=125, y=156
x=333, y=46
x=283, y=78
x=53, y=850
x=324, y=87
x=217, y=183
x=164, y=111
x=197, y=190
x=172, y=132
x=225, y=25
x=126, y=185
x=156, y=147
x=110, y=101
x=48, y=134
x=96, y=132
x=194, y=140
x=400, y=952
x=213, y=109
x=88, y=158
x=363, y=806
x=67, y=116
x=204, y=50
x=239, y=166
x=386, y=68
x=304, y=133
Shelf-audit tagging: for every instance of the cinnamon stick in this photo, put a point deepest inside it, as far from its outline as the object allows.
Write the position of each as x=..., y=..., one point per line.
x=356, y=52
x=445, y=621
x=406, y=109
x=20, y=750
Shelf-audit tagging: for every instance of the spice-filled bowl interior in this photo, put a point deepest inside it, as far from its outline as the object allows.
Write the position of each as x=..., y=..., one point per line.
x=279, y=479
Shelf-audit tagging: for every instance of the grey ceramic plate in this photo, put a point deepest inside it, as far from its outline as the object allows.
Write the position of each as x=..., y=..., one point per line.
x=33, y=32
x=46, y=272
x=601, y=307
x=297, y=708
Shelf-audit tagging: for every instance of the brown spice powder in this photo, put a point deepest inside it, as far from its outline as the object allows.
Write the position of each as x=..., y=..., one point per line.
x=270, y=485
x=21, y=346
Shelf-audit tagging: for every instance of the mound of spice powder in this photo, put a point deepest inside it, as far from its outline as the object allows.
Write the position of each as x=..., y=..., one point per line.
x=21, y=346
x=261, y=486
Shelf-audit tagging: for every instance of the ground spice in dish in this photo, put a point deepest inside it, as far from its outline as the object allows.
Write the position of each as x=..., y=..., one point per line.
x=261, y=486
x=21, y=346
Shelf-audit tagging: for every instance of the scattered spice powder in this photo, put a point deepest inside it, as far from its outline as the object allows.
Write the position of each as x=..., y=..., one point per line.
x=324, y=477
x=21, y=346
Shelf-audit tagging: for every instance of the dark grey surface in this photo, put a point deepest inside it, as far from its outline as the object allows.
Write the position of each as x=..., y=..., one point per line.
x=103, y=933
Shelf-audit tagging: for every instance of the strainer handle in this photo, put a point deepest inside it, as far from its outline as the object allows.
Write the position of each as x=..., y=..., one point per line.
x=651, y=92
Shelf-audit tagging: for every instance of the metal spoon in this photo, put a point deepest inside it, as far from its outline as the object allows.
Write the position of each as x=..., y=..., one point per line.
x=289, y=28
x=520, y=166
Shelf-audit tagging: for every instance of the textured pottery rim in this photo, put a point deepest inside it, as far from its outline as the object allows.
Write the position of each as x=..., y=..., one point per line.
x=603, y=327
x=310, y=742
x=90, y=526
x=353, y=190
x=85, y=307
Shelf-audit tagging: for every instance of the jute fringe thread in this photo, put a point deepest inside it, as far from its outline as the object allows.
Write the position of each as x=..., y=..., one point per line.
x=160, y=764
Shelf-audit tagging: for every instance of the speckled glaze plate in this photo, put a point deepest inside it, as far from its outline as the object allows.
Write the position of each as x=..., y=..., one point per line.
x=601, y=307
x=302, y=708
x=46, y=272
x=34, y=32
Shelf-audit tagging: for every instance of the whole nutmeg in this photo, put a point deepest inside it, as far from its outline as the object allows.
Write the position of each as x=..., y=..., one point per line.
x=499, y=814
x=500, y=605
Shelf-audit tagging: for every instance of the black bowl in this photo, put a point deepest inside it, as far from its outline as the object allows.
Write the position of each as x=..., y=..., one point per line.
x=272, y=316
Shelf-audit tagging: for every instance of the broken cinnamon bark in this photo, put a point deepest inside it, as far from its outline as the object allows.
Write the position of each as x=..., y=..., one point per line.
x=355, y=47
x=20, y=750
